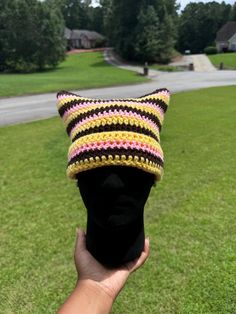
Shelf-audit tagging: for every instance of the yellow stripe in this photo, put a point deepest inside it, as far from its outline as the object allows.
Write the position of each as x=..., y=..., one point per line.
x=143, y=108
x=114, y=120
x=162, y=97
x=63, y=101
x=145, y=165
x=115, y=136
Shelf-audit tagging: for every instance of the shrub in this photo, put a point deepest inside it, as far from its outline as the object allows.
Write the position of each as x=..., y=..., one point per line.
x=100, y=42
x=210, y=50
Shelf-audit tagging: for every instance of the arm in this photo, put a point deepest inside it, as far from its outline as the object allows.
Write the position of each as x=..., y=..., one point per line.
x=97, y=287
x=87, y=298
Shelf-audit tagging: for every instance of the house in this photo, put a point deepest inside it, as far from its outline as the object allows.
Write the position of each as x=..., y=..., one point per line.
x=226, y=37
x=67, y=35
x=83, y=39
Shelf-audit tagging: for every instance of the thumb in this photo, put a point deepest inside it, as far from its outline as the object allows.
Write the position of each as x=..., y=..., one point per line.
x=80, y=240
x=134, y=265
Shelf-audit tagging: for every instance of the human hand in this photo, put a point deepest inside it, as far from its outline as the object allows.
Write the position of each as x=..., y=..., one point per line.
x=111, y=281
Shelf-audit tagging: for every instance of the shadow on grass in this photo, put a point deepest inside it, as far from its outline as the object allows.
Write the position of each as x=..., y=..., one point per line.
x=100, y=64
x=43, y=71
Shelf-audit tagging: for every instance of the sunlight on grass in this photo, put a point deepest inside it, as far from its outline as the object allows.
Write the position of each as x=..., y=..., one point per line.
x=190, y=216
x=229, y=60
x=79, y=71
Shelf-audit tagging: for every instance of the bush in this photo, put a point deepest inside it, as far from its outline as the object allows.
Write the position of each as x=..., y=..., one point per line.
x=100, y=42
x=20, y=66
x=210, y=50
x=31, y=36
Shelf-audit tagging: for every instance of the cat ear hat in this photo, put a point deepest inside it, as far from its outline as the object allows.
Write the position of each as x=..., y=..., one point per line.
x=120, y=132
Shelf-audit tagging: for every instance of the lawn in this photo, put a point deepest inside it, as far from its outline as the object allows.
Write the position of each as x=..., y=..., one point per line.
x=190, y=216
x=229, y=60
x=78, y=71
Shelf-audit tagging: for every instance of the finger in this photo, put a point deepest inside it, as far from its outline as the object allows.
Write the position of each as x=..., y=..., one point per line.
x=144, y=255
x=142, y=258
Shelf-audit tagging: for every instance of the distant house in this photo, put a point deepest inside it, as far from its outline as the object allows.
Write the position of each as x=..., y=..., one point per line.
x=226, y=37
x=83, y=39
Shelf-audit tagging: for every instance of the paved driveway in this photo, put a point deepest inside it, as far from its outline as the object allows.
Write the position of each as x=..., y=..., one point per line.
x=202, y=63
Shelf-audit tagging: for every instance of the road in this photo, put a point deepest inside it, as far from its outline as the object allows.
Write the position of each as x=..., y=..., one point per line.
x=29, y=108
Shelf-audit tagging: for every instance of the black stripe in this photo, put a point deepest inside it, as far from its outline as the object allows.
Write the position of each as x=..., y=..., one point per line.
x=115, y=128
x=102, y=110
x=116, y=151
x=155, y=92
x=158, y=102
x=72, y=103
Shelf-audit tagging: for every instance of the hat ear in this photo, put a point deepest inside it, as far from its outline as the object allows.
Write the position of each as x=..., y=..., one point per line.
x=160, y=96
x=159, y=100
x=68, y=105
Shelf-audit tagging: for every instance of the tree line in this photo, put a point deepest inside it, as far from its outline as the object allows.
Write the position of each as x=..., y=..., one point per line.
x=32, y=31
x=199, y=23
x=31, y=35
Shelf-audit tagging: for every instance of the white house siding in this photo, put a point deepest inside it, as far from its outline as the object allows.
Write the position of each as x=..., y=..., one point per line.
x=232, y=43
x=221, y=44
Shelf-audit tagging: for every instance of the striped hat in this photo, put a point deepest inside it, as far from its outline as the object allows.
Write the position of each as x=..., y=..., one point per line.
x=120, y=132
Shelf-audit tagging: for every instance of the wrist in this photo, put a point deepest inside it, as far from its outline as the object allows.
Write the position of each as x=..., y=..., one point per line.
x=95, y=291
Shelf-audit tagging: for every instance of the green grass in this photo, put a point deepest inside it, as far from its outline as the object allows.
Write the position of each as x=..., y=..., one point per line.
x=190, y=216
x=229, y=60
x=78, y=71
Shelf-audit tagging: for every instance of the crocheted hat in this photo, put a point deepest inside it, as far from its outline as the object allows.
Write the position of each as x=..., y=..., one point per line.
x=121, y=132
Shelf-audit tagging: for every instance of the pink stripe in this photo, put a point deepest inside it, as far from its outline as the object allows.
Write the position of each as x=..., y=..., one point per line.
x=65, y=96
x=167, y=93
x=116, y=114
x=114, y=144
x=78, y=107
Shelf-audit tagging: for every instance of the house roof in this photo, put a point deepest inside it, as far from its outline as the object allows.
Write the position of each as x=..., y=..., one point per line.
x=67, y=33
x=91, y=35
x=226, y=31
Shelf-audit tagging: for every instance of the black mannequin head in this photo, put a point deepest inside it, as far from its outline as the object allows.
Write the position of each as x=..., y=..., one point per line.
x=115, y=197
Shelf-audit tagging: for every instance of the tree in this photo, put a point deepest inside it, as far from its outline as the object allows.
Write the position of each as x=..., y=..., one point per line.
x=123, y=22
x=79, y=14
x=97, y=20
x=199, y=24
x=51, y=42
x=71, y=11
x=233, y=13
x=108, y=23
x=3, y=34
x=147, y=44
x=168, y=36
x=86, y=15
x=31, y=37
